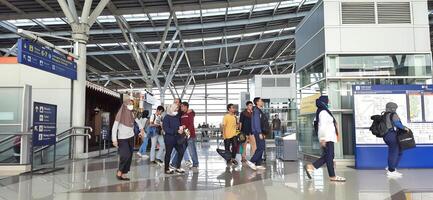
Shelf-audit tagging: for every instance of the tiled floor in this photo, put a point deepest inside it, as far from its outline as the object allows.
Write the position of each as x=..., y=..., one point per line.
x=94, y=179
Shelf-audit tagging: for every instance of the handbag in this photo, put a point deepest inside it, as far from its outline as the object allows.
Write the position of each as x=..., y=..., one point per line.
x=184, y=136
x=240, y=138
x=405, y=139
x=136, y=129
x=223, y=153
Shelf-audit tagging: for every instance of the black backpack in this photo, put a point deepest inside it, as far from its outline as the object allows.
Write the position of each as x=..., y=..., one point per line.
x=264, y=123
x=378, y=127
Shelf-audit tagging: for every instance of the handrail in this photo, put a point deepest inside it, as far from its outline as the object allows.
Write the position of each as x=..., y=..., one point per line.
x=68, y=131
x=7, y=149
x=12, y=135
x=62, y=139
x=76, y=127
x=15, y=133
x=6, y=139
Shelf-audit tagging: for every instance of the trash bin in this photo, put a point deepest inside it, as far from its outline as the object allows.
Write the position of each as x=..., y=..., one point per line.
x=286, y=147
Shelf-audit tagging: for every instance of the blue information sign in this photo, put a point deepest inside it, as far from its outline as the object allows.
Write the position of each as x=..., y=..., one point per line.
x=415, y=111
x=45, y=58
x=44, y=124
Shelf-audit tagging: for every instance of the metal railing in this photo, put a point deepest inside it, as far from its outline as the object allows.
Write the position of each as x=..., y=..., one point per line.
x=8, y=140
x=71, y=134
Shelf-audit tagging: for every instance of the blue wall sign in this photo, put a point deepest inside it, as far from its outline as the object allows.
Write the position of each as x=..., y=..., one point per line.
x=44, y=124
x=47, y=59
x=415, y=111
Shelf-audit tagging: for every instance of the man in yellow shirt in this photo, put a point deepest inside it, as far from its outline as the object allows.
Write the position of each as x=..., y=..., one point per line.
x=229, y=132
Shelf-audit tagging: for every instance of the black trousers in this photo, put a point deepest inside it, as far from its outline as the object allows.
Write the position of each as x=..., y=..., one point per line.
x=327, y=158
x=180, y=148
x=234, y=146
x=126, y=148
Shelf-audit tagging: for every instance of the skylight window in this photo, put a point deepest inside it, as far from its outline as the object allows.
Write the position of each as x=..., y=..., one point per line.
x=179, y=14
x=195, y=39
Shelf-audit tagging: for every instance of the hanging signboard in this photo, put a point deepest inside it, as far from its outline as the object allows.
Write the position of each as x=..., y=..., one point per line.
x=44, y=58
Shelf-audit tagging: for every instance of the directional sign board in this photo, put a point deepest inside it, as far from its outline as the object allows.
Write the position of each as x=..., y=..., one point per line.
x=415, y=111
x=47, y=59
x=44, y=124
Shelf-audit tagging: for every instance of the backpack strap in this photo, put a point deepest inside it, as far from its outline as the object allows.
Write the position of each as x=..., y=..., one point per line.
x=391, y=116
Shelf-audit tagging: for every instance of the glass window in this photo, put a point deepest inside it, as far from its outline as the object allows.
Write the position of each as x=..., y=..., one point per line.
x=308, y=141
x=382, y=65
x=313, y=73
x=268, y=82
x=283, y=82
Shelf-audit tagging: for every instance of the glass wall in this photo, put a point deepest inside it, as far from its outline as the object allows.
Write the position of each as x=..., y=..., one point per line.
x=341, y=73
x=307, y=140
x=379, y=65
x=11, y=121
x=216, y=99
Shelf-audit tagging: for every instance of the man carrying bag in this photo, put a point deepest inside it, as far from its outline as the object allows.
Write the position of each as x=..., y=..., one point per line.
x=405, y=139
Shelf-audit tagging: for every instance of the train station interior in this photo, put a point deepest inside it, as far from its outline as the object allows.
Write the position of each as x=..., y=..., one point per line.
x=216, y=99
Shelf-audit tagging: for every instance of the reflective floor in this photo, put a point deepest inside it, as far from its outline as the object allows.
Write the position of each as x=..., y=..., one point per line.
x=94, y=179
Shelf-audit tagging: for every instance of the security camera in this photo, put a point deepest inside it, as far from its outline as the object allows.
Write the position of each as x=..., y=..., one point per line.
x=227, y=65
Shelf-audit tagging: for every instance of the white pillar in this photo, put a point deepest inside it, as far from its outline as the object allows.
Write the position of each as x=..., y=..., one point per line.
x=79, y=86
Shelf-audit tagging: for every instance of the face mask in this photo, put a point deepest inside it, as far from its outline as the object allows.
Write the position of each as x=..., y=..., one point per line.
x=130, y=107
x=174, y=113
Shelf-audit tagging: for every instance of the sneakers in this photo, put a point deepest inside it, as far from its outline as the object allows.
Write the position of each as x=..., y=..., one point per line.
x=251, y=165
x=160, y=162
x=138, y=154
x=145, y=157
x=386, y=169
x=180, y=171
x=172, y=167
x=261, y=167
x=394, y=174
x=194, y=169
x=188, y=164
x=170, y=171
x=154, y=162
x=238, y=168
x=235, y=162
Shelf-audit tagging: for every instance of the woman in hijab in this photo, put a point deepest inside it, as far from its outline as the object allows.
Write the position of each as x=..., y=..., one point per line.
x=328, y=135
x=172, y=129
x=123, y=138
x=390, y=138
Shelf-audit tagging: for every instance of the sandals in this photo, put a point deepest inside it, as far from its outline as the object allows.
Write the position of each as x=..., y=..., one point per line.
x=308, y=172
x=121, y=178
x=338, y=179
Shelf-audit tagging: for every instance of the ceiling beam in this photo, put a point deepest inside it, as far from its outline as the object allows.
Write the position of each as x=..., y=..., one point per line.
x=211, y=81
x=200, y=73
x=209, y=25
x=140, y=10
x=197, y=48
x=213, y=67
x=11, y=6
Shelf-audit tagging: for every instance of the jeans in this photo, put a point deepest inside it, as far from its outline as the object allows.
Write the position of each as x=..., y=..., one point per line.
x=160, y=140
x=143, y=146
x=258, y=154
x=191, y=151
x=394, y=153
x=276, y=133
x=186, y=156
x=328, y=158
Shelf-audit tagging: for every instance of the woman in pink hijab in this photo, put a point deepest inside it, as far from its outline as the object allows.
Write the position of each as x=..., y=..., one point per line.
x=123, y=138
